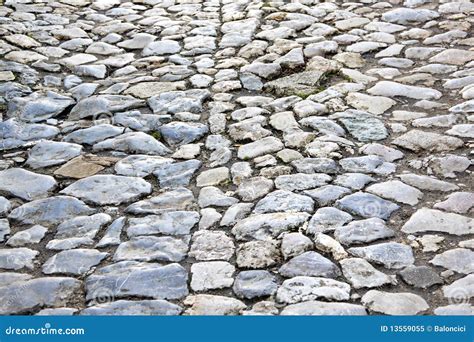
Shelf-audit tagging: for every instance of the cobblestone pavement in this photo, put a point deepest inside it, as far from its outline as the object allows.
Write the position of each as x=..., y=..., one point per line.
x=245, y=157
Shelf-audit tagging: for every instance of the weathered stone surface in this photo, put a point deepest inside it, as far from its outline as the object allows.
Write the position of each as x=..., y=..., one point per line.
x=131, y=278
x=106, y=189
x=39, y=292
x=310, y=264
x=392, y=89
x=315, y=308
x=204, y=304
x=176, y=174
x=402, y=303
x=426, y=220
x=133, y=142
x=367, y=205
x=460, y=260
x=234, y=157
x=25, y=184
x=284, y=201
x=171, y=222
x=363, y=231
x=420, y=276
x=416, y=141
x=49, y=153
x=302, y=289
x=150, y=248
x=257, y=254
x=49, y=211
x=397, y=191
x=389, y=254
x=252, y=284
x=211, y=245
x=130, y=308
x=74, y=261
x=211, y=275
x=264, y=226
x=361, y=274
x=37, y=107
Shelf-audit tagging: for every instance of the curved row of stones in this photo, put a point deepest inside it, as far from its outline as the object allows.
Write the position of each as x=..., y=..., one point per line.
x=251, y=157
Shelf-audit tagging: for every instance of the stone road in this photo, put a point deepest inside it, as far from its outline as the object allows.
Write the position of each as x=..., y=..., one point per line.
x=245, y=157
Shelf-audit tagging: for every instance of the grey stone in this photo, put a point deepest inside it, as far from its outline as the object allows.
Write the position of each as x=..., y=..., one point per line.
x=284, y=201
x=301, y=84
x=257, y=254
x=327, y=219
x=38, y=107
x=253, y=284
x=302, y=289
x=416, y=141
x=461, y=290
x=74, y=261
x=170, y=223
x=178, y=101
x=425, y=220
x=364, y=127
x=401, y=303
x=363, y=231
x=132, y=308
x=397, y=191
x=180, y=133
x=367, y=205
x=28, y=236
x=133, y=142
x=39, y=292
x=50, y=211
x=212, y=196
x=408, y=15
x=327, y=194
x=112, y=234
x=310, y=264
x=392, y=255
x=177, y=199
x=131, y=278
x=96, y=105
x=264, y=226
x=93, y=134
x=211, y=245
x=459, y=260
x=211, y=275
x=25, y=184
x=204, y=304
x=293, y=244
x=150, y=248
x=427, y=183
x=361, y=274
x=140, y=165
x=458, y=202
x=176, y=174
x=260, y=147
x=49, y=153
x=354, y=181
x=301, y=181
x=17, y=258
x=316, y=308
x=4, y=229
x=108, y=189
x=420, y=276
